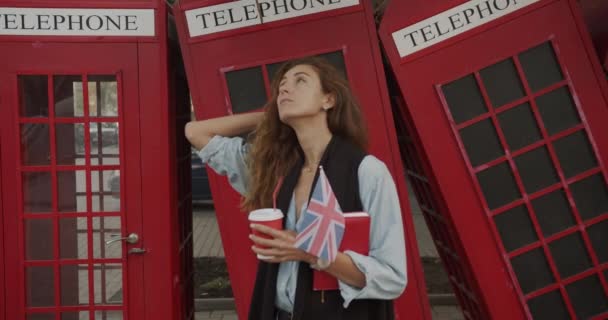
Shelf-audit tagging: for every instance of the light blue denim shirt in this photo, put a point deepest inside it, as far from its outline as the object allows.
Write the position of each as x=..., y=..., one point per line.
x=384, y=268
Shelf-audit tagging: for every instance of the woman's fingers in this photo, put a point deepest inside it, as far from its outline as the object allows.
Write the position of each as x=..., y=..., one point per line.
x=274, y=243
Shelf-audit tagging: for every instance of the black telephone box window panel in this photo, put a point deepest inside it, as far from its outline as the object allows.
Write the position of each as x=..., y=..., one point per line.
x=519, y=126
x=557, y=110
x=570, y=255
x=598, y=234
x=273, y=69
x=532, y=270
x=481, y=142
x=335, y=58
x=33, y=96
x=590, y=196
x=464, y=99
x=246, y=88
x=575, y=154
x=502, y=83
x=515, y=228
x=536, y=170
x=549, y=306
x=498, y=186
x=553, y=212
x=587, y=297
x=606, y=275
x=540, y=66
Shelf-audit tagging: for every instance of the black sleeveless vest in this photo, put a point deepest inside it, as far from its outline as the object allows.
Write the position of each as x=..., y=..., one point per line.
x=340, y=162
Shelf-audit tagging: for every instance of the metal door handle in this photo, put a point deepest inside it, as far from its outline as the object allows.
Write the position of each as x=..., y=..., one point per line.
x=137, y=251
x=131, y=238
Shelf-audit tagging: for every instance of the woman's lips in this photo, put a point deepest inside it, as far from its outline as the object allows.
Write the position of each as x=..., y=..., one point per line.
x=282, y=101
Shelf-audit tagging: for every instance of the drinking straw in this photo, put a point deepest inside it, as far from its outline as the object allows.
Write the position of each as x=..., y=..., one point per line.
x=274, y=193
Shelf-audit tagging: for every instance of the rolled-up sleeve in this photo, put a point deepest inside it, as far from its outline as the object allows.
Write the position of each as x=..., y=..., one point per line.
x=227, y=157
x=385, y=266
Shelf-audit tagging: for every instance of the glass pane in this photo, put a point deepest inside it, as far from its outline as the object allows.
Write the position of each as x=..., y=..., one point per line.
x=71, y=191
x=105, y=186
x=246, y=89
x=540, y=66
x=553, y=212
x=575, y=154
x=570, y=255
x=40, y=286
x=38, y=239
x=498, y=186
x=69, y=138
x=103, y=96
x=68, y=96
x=73, y=238
x=336, y=59
x=108, y=283
x=35, y=143
x=598, y=234
x=590, y=196
x=104, y=143
x=41, y=316
x=519, y=126
x=74, y=285
x=587, y=297
x=104, y=229
x=464, y=99
x=273, y=68
x=481, y=142
x=33, y=96
x=549, y=306
x=536, y=170
x=532, y=270
x=108, y=315
x=80, y=315
x=515, y=228
x=502, y=83
x=557, y=110
x=37, y=192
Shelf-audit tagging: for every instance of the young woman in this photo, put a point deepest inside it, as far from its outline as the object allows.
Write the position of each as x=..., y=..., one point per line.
x=311, y=120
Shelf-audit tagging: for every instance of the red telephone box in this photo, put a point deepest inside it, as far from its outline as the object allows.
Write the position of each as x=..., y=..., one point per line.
x=232, y=50
x=507, y=103
x=88, y=190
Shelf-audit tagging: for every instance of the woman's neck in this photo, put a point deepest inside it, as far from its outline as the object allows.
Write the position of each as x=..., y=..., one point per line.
x=313, y=141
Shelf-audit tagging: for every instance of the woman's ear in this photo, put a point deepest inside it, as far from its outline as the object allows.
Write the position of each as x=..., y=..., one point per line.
x=329, y=101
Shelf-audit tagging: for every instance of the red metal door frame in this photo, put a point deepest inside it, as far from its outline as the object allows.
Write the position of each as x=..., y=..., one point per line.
x=466, y=54
x=68, y=59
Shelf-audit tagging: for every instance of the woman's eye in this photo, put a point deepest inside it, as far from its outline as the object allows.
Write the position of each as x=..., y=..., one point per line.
x=300, y=80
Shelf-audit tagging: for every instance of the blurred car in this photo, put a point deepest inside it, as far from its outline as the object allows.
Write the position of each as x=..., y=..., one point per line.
x=201, y=192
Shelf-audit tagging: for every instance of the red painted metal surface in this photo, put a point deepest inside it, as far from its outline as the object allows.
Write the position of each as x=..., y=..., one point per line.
x=209, y=58
x=466, y=213
x=154, y=284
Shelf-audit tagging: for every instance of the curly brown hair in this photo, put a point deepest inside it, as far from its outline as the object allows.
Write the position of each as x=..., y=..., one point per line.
x=274, y=149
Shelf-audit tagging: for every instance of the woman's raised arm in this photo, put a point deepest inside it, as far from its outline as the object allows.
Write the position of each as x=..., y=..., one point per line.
x=200, y=132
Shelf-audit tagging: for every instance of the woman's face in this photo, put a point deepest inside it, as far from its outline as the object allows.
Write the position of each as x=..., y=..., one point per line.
x=301, y=95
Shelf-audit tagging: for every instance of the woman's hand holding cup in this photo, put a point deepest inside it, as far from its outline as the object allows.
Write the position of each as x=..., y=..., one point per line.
x=278, y=246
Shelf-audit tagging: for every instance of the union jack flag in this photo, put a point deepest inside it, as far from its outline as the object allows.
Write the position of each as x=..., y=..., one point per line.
x=322, y=224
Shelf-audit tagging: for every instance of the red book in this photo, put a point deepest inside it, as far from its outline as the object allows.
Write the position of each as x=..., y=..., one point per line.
x=356, y=238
